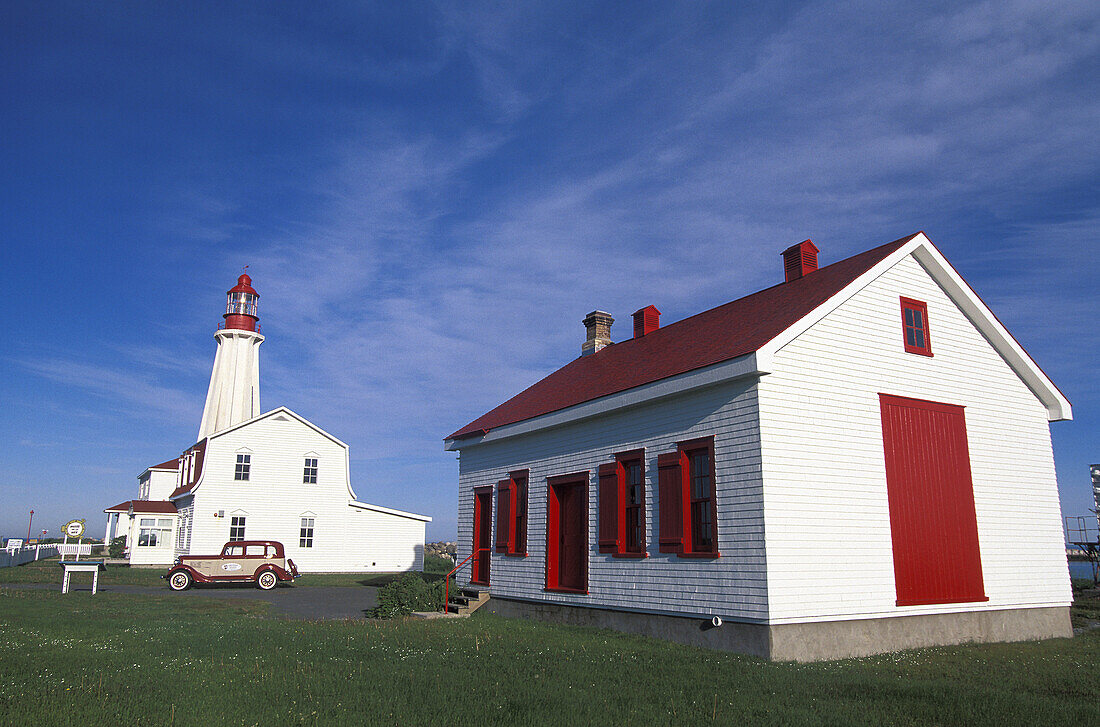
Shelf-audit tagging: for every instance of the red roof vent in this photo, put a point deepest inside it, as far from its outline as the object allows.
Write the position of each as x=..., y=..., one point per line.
x=799, y=260
x=647, y=320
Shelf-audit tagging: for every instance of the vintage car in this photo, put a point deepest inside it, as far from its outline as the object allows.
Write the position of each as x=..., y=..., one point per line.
x=245, y=561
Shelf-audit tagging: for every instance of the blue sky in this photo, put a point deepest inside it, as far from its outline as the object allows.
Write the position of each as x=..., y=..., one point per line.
x=431, y=198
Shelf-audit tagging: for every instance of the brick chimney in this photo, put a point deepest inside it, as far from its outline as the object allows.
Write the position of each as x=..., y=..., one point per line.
x=597, y=324
x=646, y=320
x=799, y=260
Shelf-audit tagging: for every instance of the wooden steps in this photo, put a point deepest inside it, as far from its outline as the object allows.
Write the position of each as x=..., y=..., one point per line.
x=468, y=600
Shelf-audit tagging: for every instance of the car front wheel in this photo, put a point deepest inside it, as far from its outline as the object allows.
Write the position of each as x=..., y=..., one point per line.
x=267, y=580
x=179, y=581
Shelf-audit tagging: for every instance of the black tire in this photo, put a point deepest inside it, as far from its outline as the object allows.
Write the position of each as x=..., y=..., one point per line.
x=180, y=580
x=267, y=580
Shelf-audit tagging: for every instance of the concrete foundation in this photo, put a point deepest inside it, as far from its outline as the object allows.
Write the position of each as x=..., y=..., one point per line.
x=815, y=641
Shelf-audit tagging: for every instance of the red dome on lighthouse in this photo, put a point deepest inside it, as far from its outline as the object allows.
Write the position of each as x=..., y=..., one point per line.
x=241, y=305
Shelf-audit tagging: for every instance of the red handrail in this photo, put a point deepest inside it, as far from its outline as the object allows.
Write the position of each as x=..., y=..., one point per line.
x=447, y=583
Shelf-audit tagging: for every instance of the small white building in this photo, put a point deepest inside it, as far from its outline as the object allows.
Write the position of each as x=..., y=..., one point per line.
x=853, y=461
x=149, y=528
x=271, y=476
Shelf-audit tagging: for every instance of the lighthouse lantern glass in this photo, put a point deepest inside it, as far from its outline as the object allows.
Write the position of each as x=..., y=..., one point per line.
x=241, y=304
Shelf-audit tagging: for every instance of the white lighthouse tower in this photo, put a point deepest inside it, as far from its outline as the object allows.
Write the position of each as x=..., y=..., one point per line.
x=234, y=393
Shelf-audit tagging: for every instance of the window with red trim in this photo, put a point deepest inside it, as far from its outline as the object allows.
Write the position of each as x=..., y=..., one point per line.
x=633, y=506
x=504, y=509
x=622, y=505
x=914, y=322
x=519, y=513
x=511, y=535
x=687, y=502
x=701, y=495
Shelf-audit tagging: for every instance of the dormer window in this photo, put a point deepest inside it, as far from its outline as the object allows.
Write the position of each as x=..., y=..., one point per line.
x=244, y=467
x=914, y=321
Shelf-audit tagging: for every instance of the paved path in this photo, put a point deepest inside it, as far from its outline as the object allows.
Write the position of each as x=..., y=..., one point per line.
x=301, y=602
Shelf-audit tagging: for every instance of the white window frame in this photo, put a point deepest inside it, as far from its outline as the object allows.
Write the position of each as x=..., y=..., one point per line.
x=306, y=527
x=154, y=532
x=242, y=472
x=309, y=471
x=234, y=525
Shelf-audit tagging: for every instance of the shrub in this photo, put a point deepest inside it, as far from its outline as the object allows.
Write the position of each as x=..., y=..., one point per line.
x=408, y=593
x=118, y=545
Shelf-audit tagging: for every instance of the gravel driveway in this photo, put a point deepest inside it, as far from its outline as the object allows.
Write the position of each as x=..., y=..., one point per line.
x=301, y=602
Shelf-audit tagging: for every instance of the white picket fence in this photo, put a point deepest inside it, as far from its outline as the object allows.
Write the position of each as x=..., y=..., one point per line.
x=19, y=556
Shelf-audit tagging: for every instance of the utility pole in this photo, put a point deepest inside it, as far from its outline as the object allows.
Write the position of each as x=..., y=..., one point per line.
x=29, y=526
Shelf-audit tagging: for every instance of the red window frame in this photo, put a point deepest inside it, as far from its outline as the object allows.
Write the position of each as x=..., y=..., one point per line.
x=617, y=514
x=700, y=508
x=685, y=511
x=914, y=327
x=518, y=541
x=633, y=512
x=511, y=533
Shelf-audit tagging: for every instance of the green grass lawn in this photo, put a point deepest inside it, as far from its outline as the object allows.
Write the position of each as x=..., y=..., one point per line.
x=161, y=659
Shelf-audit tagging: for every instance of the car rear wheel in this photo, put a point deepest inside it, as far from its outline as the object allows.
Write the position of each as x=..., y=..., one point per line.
x=267, y=580
x=179, y=581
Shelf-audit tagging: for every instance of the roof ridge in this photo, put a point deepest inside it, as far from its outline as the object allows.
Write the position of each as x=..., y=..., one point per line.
x=899, y=241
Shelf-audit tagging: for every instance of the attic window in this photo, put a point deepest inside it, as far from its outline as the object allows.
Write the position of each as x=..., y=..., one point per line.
x=914, y=320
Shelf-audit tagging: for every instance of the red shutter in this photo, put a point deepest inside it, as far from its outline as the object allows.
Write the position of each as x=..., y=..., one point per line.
x=670, y=497
x=609, y=508
x=504, y=508
x=933, y=527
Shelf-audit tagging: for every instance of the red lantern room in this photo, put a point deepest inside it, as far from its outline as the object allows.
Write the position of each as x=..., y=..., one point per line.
x=240, y=309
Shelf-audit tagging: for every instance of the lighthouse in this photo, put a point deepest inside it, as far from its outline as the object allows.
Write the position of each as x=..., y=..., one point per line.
x=234, y=393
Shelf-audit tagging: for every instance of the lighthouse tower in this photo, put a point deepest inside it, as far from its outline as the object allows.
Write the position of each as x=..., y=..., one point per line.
x=234, y=393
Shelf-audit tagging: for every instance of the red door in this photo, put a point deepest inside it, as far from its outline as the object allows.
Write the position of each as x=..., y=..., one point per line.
x=567, y=536
x=933, y=526
x=483, y=526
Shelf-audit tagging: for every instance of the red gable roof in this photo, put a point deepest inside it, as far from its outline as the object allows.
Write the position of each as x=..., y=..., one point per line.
x=145, y=507
x=719, y=334
x=172, y=464
x=152, y=506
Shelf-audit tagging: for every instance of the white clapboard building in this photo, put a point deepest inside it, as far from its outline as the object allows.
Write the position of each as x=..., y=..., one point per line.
x=855, y=460
x=261, y=476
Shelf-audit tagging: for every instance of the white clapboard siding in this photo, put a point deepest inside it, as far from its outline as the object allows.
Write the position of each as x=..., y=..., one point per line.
x=732, y=586
x=160, y=484
x=274, y=500
x=826, y=510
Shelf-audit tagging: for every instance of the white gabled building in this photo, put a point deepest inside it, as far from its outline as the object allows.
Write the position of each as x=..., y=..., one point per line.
x=270, y=476
x=853, y=461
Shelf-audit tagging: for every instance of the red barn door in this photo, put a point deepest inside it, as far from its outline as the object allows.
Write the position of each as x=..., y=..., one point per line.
x=932, y=521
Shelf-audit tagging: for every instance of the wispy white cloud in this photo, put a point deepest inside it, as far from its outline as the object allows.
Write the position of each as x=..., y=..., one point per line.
x=436, y=262
x=131, y=389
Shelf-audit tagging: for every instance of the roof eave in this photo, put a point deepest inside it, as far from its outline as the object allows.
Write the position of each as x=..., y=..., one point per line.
x=982, y=316
x=749, y=365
